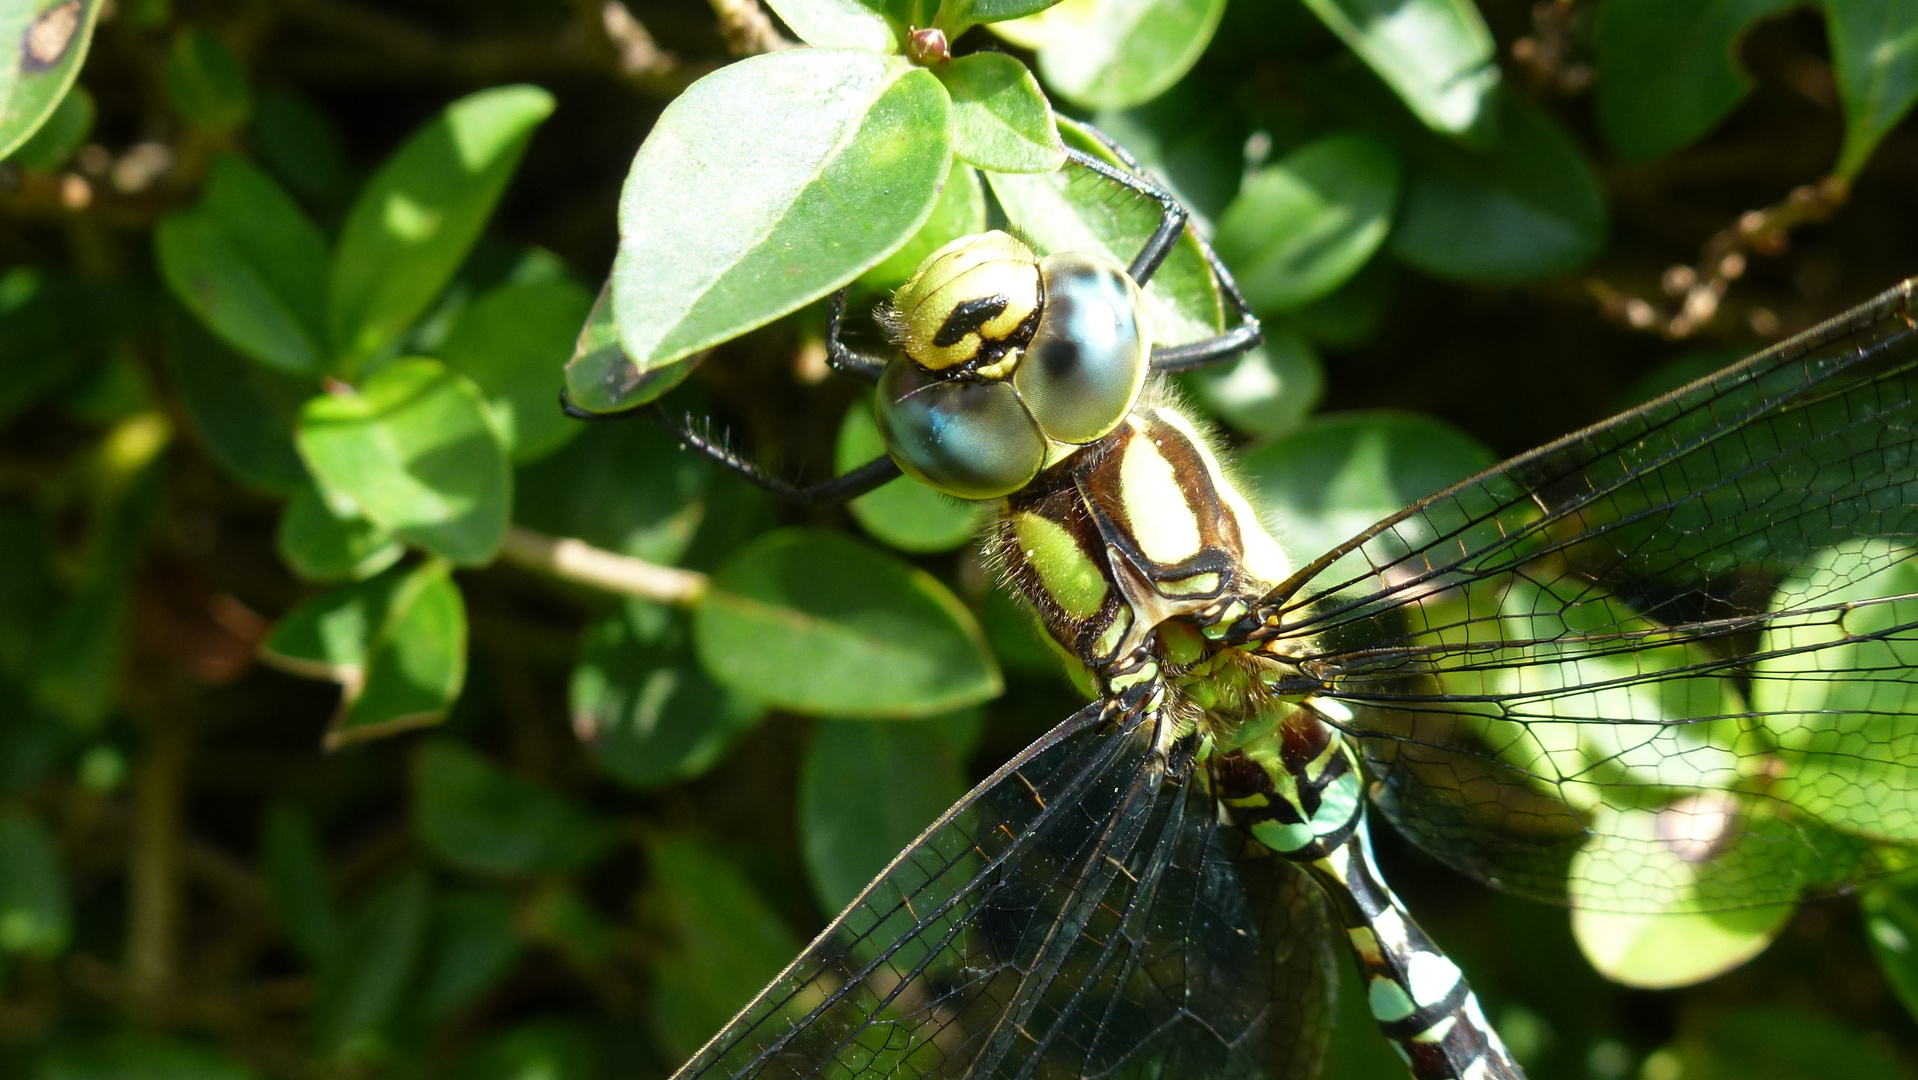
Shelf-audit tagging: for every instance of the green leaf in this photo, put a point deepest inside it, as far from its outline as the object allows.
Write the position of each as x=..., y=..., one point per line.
x=601, y=378
x=324, y=543
x=988, y=11
x=903, y=513
x=1891, y=925
x=643, y=706
x=46, y=42
x=1114, y=54
x=140, y=1057
x=960, y=211
x=294, y=866
x=513, y=342
x=817, y=623
x=541, y=1050
x=1071, y=209
x=1268, y=391
x=252, y=266
x=244, y=413
x=473, y=947
x=850, y=24
x=1668, y=73
x=365, y=984
x=204, y=81
x=1437, y=55
x=293, y=138
x=35, y=915
x=396, y=645
x=415, y=220
x=1845, y=745
x=1340, y=473
x=823, y=161
x=416, y=449
x=1874, y=49
x=1747, y=1042
x=1000, y=118
x=625, y=487
x=1681, y=945
x=61, y=134
x=477, y=816
x=866, y=791
x=1527, y=206
x=1302, y=227
x=725, y=942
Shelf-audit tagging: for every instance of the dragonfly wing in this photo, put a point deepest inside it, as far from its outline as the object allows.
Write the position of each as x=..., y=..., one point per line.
x=1673, y=656
x=1078, y=914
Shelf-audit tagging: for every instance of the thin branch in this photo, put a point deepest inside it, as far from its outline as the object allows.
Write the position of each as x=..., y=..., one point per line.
x=1700, y=289
x=747, y=28
x=578, y=561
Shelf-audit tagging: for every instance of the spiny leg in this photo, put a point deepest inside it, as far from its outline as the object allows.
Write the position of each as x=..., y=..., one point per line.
x=856, y=364
x=841, y=488
x=1244, y=336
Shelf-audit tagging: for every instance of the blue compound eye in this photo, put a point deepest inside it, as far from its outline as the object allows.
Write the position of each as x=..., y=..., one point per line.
x=973, y=440
x=1087, y=360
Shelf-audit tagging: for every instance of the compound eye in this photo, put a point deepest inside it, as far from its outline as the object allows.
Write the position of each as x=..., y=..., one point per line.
x=1088, y=359
x=969, y=439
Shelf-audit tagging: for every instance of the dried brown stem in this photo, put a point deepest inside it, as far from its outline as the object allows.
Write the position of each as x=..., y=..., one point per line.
x=1700, y=289
x=153, y=868
x=578, y=561
x=1545, y=56
x=747, y=28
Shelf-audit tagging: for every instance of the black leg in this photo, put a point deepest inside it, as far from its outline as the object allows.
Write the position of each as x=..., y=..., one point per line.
x=1172, y=222
x=858, y=365
x=840, y=488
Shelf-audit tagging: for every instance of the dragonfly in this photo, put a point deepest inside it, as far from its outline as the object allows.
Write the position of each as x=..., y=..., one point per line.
x=1669, y=662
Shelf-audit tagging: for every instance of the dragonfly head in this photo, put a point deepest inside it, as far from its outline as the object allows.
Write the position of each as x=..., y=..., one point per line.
x=1008, y=362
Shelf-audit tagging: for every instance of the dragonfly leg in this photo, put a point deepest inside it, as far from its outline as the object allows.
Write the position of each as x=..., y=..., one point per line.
x=843, y=359
x=841, y=488
x=1173, y=220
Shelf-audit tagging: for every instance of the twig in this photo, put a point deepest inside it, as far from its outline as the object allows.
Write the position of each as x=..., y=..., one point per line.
x=153, y=868
x=575, y=560
x=1700, y=289
x=1546, y=54
x=639, y=56
x=747, y=28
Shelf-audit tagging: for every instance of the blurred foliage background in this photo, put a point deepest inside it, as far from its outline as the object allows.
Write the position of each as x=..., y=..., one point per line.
x=286, y=288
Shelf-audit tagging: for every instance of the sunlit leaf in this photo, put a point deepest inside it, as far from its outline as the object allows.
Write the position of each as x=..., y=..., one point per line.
x=61, y=134
x=1874, y=52
x=45, y=42
x=825, y=161
x=417, y=217
x=1668, y=73
x=1000, y=118
x=903, y=513
x=960, y=211
x=854, y=24
x=322, y=543
x=1891, y=925
x=816, y=623
x=1437, y=55
x=477, y=816
x=415, y=448
x=1114, y=54
x=1304, y=225
x=513, y=343
x=602, y=378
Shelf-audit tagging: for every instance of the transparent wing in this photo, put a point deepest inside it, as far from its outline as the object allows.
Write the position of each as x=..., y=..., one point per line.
x=1079, y=914
x=1670, y=661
